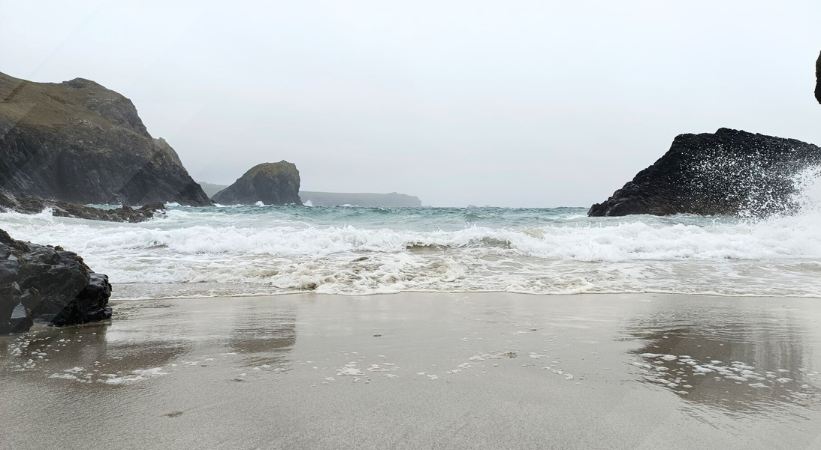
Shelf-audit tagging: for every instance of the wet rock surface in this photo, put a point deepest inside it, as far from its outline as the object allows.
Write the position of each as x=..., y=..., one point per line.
x=39, y=282
x=729, y=172
x=269, y=183
x=125, y=213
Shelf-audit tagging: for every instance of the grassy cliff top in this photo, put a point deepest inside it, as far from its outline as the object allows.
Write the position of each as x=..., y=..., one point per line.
x=75, y=102
x=272, y=170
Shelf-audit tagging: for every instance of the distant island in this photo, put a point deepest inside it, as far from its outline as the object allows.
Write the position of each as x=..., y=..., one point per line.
x=391, y=200
x=314, y=198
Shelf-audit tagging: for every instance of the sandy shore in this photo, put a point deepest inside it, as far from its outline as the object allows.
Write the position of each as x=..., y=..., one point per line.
x=422, y=370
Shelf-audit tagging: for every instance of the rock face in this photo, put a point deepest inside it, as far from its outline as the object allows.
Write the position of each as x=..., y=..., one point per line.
x=392, y=200
x=727, y=173
x=269, y=183
x=47, y=283
x=818, y=79
x=79, y=142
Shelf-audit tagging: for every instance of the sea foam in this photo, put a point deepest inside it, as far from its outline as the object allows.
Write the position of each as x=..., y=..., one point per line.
x=268, y=249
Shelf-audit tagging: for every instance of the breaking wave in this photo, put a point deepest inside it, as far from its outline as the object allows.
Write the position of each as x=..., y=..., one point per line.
x=265, y=250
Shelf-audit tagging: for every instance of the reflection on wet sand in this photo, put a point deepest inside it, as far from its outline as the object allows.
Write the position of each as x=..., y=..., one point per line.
x=263, y=336
x=133, y=349
x=715, y=360
x=86, y=354
x=422, y=370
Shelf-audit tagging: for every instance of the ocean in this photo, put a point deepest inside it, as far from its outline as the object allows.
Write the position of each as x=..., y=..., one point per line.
x=260, y=250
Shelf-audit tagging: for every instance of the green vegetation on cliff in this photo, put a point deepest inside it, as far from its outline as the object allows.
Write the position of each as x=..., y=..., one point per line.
x=79, y=142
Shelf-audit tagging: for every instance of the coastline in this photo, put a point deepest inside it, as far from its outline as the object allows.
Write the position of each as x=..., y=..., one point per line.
x=422, y=370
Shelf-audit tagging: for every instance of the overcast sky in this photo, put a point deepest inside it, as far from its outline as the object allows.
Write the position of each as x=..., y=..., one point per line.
x=508, y=103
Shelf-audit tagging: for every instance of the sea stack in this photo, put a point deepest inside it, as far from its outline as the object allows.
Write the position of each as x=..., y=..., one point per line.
x=269, y=183
x=79, y=142
x=47, y=283
x=729, y=172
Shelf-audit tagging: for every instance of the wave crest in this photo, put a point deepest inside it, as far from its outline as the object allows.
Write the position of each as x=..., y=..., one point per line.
x=210, y=251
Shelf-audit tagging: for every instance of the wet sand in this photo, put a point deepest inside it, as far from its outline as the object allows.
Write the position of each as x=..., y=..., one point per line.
x=422, y=370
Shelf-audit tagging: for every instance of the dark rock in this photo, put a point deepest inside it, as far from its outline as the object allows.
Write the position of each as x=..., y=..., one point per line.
x=79, y=142
x=90, y=305
x=31, y=205
x=818, y=79
x=728, y=173
x=47, y=283
x=269, y=183
x=20, y=323
x=123, y=214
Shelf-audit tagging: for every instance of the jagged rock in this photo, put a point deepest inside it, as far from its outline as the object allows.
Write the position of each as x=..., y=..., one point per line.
x=124, y=213
x=90, y=305
x=79, y=142
x=31, y=205
x=269, y=183
x=728, y=173
x=47, y=283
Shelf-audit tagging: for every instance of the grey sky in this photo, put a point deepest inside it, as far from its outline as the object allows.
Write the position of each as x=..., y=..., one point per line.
x=510, y=103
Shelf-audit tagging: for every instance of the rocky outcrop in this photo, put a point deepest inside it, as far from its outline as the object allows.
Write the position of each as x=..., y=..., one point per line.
x=727, y=173
x=32, y=205
x=392, y=200
x=47, y=283
x=269, y=183
x=79, y=142
x=818, y=79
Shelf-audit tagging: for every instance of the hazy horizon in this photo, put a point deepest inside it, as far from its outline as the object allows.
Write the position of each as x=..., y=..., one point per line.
x=532, y=104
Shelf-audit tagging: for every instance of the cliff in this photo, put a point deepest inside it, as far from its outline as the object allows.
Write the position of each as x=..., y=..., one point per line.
x=269, y=183
x=729, y=172
x=79, y=142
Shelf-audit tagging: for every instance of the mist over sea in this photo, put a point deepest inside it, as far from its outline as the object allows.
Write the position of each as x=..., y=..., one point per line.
x=242, y=250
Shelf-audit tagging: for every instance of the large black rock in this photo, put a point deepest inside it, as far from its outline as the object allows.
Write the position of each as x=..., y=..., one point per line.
x=818, y=79
x=269, y=183
x=47, y=283
x=727, y=173
x=79, y=142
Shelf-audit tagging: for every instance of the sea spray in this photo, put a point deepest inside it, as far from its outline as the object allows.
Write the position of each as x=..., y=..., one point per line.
x=272, y=249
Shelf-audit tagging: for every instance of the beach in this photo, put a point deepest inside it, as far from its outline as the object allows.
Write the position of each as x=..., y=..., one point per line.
x=432, y=370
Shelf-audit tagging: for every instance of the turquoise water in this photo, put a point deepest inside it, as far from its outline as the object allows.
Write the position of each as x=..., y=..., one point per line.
x=349, y=250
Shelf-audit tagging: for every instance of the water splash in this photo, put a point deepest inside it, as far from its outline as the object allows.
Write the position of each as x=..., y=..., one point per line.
x=263, y=250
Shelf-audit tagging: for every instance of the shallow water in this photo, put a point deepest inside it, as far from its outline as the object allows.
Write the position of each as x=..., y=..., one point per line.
x=269, y=250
